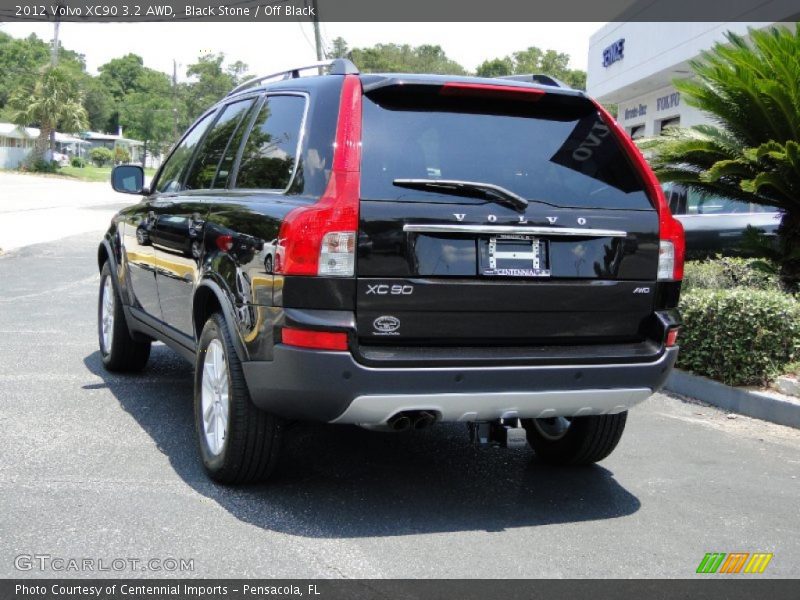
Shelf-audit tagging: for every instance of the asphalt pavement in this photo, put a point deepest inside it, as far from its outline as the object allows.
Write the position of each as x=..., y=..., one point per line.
x=38, y=208
x=102, y=467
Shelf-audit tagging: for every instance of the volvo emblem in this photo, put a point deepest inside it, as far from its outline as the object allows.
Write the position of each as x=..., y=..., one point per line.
x=552, y=220
x=459, y=216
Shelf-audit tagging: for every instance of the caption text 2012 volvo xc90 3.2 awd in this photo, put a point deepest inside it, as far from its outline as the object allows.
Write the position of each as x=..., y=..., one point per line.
x=393, y=251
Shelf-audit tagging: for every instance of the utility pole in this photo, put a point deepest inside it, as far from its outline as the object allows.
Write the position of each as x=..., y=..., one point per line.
x=175, y=98
x=317, y=36
x=53, y=63
x=54, y=49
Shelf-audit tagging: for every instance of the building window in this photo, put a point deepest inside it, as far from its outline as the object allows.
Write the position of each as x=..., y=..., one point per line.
x=666, y=123
x=637, y=132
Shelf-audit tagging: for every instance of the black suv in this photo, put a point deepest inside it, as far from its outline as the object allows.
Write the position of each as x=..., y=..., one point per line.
x=393, y=251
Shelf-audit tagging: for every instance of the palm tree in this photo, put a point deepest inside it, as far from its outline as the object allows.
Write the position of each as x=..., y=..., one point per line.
x=55, y=100
x=751, y=89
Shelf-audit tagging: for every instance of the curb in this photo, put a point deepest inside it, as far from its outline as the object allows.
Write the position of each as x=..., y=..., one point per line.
x=761, y=405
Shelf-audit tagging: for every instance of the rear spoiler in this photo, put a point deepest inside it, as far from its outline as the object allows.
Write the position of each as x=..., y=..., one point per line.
x=373, y=83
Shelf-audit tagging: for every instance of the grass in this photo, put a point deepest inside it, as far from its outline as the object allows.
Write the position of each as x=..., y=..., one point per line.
x=92, y=173
x=793, y=370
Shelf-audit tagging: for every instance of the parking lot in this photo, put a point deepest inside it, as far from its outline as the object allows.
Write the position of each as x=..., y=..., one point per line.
x=35, y=209
x=104, y=466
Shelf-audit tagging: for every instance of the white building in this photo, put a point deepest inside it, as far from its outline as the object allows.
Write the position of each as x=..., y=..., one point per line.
x=633, y=66
x=16, y=144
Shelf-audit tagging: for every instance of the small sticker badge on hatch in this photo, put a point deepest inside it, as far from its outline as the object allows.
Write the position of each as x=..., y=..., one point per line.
x=386, y=325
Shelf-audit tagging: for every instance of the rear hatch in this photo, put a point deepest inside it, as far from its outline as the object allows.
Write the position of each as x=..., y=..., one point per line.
x=491, y=217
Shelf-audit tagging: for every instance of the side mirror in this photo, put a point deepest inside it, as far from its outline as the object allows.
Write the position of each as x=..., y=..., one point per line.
x=128, y=179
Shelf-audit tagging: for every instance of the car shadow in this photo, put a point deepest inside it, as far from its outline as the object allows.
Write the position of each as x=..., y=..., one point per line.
x=344, y=481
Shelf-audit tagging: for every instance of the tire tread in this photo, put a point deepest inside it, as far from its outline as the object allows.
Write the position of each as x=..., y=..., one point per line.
x=254, y=435
x=589, y=440
x=127, y=355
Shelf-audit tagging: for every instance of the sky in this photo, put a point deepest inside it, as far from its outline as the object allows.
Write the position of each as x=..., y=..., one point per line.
x=269, y=47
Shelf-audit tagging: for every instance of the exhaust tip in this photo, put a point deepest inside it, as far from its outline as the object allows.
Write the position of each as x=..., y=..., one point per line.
x=399, y=422
x=424, y=419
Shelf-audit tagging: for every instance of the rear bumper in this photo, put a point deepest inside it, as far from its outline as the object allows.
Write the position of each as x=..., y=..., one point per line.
x=333, y=387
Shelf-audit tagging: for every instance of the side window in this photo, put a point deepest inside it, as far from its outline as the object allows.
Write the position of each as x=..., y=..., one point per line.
x=171, y=178
x=270, y=152
x=203, y=172
x=676, y=197
x=714, y=205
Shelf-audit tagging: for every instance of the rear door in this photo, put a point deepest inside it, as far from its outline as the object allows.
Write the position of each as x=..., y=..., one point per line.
x=449, y=255
x=179, y=230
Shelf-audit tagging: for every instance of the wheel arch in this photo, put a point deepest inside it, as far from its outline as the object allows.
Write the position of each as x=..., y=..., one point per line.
x=209, y=298
x=103, y=254
x=107, y=254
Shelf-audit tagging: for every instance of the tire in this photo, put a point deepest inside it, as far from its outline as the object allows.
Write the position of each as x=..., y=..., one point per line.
x=120, y=352
x=238, y=442
x=585, y=440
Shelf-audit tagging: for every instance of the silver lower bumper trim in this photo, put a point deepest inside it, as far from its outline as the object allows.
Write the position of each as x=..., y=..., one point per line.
x=377, y=409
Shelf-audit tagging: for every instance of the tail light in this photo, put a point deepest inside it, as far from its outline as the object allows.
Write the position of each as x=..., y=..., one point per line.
x=318, y=340
x=320, y=239
x=672, y=245
x=672, y=337
x=493, y=91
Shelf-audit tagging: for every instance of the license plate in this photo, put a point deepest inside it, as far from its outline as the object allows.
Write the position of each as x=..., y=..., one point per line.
x=517, y=256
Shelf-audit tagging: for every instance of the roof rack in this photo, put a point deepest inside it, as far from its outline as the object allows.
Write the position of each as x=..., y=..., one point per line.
x=539, y=78
x=338, y=66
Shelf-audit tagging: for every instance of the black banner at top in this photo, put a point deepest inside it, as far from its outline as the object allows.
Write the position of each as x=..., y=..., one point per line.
x=399, y=11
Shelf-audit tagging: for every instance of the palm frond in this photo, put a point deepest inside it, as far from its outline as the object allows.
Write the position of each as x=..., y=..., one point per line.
x=750, y=87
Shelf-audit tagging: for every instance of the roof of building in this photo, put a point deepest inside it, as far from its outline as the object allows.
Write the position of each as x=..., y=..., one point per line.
x=17, y=131
x=69, y=139
x=97, y=136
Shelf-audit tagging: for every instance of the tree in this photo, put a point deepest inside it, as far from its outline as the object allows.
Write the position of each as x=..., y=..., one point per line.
x=100, y=104
x=497, y=67
x=123, y=75
x=122, y=79
x=750, y=88
x=238, y=71
x=405, y=59
x=149, y=118
x=20, y=64
x=534, y=60
x=338, y=49
x=101, y=156
x=121, y=155
x=54, y=101
x=211, y=82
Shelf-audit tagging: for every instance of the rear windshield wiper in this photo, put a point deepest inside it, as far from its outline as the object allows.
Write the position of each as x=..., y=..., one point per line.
x=456, y=187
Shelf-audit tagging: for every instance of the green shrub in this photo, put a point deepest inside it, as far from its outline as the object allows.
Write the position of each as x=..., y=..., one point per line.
x=739, y=336
x=101, y=156
x=723, y=273
x=792, y=369
x=77, y=161
x=121, y=155
x=42, y=165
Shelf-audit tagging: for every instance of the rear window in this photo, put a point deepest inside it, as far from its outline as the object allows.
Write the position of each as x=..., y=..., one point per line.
x=562, y=155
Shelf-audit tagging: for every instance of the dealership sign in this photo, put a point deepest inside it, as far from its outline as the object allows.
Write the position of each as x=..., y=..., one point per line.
x=669, y=101
x=614, y=52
